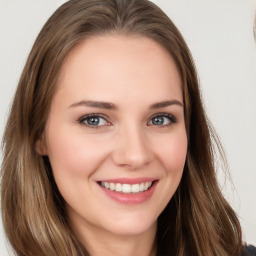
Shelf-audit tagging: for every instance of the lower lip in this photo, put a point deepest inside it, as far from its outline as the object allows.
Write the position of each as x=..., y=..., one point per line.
x=130, y=198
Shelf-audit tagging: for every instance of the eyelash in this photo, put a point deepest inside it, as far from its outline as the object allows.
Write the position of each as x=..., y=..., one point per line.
x=172, y=119
x=82, y=120
x=86, y=117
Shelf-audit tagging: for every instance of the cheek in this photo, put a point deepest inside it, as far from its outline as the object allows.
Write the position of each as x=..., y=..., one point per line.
x=74, y=159
x=172, y=153
x=74, y=154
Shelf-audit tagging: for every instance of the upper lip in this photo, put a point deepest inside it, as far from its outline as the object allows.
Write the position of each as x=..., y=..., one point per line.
x=129, y=180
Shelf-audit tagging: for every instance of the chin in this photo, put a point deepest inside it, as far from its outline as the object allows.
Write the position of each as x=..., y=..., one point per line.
x=130, y=227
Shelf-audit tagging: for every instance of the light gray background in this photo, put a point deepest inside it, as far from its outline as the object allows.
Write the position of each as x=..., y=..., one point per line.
x=220, y=36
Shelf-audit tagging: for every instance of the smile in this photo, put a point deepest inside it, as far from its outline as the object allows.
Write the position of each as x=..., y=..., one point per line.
x=129, y=191
x=127, y=188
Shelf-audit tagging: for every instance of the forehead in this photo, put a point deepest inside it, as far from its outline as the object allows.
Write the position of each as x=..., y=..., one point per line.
x=133, y=65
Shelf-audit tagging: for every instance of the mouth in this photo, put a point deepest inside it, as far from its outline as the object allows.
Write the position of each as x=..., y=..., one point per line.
x=129, y=191
x=127, y=188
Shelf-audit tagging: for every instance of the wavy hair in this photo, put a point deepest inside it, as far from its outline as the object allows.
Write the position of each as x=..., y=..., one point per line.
x=197, y=221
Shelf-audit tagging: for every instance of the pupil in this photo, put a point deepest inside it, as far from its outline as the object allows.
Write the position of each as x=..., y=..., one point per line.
x=158, y=120
x=93, y=121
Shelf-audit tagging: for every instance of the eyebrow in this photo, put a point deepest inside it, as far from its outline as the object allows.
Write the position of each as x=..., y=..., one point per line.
x=166, y=104
x=111, y=106
x=94, y=104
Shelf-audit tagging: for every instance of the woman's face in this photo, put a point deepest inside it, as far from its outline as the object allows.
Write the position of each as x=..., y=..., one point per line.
x=116, y=127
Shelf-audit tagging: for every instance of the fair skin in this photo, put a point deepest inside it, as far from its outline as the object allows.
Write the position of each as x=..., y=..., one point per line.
x=138, y=139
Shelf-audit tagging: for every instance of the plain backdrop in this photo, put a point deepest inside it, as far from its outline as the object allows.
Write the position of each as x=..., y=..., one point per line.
x=220, y=36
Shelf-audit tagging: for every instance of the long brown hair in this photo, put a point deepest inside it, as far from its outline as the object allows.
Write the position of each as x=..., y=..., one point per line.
x=197, y=221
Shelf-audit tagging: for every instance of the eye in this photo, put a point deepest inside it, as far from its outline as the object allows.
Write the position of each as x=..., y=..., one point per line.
x=93, y=121
x=162, y=120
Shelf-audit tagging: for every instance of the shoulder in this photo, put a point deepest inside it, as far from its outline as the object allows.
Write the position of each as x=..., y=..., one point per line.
x=249, y=250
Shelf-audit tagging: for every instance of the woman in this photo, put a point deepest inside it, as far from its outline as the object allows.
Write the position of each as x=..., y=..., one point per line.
x=107, y=150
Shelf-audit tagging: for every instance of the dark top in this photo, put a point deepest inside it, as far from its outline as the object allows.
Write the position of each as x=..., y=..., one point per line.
x=249, y=250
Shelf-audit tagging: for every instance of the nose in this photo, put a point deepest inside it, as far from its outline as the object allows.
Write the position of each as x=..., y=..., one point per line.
x=132, y=149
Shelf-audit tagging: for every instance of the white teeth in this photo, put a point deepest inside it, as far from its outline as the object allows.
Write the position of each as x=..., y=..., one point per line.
x=118, y=187
x=135, y=188
x=127, y=188
x=141, y=186
x=112, y=186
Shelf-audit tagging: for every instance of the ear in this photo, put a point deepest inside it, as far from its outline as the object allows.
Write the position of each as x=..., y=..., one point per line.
x=40, y=146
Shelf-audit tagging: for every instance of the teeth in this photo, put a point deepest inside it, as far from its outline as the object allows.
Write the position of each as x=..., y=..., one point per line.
x=112, y=186
x=127, y=188
x=142, y=186
x=118, y=187
x=135, y=188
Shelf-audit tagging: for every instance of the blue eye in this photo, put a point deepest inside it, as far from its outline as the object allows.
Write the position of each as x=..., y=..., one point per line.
x=162, y=120
x=93, y=121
